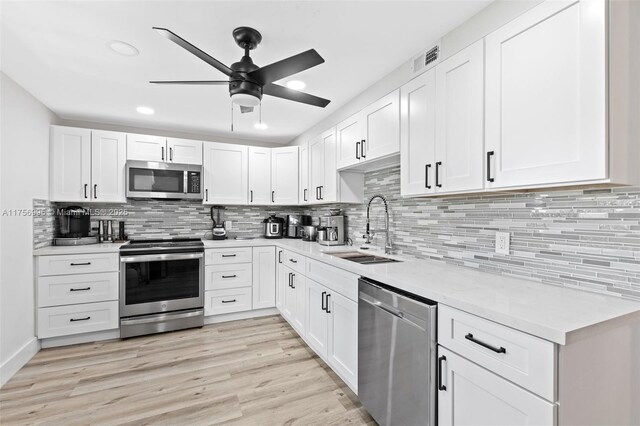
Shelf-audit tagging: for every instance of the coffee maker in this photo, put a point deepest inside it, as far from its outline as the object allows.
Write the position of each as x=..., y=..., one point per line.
x=334, y=232
x=74, y=225
x=295, y=224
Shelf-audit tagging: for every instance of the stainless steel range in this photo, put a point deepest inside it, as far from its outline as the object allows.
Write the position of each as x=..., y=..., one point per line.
x=161, y=286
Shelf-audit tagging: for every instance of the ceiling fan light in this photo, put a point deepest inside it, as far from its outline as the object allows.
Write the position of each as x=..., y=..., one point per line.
x=260, y=126
x=243, y=99
x=296, y=84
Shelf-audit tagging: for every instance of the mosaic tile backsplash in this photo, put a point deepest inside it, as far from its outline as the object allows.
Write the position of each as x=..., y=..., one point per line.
x=588, y=239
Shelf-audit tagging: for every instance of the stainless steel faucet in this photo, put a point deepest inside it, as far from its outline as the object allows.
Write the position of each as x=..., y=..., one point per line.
x=371, y=232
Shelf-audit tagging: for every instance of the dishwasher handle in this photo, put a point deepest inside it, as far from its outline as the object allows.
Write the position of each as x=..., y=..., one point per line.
x=378, y=304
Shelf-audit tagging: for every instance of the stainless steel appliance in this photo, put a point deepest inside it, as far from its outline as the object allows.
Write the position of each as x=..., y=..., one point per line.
x=396, y=355
x=309, y=233
x=295, y=224
x=74, y=226
x=161, y=286
x=273, y=226
x=335, y=232
x=218, y=232
x=147, y=179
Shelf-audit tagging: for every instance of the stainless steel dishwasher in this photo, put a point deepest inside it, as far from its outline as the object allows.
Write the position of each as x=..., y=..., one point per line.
x=396, y=355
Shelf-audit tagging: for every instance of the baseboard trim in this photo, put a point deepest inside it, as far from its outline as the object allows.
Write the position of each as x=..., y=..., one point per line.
x=18, y=360
x=240, y=315
x=74, y=339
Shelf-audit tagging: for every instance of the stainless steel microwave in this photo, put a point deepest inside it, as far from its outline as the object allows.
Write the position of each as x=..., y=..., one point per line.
x=149, y=179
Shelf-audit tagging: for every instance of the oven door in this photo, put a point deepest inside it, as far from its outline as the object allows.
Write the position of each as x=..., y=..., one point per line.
x=154, y=283
x=163, y=180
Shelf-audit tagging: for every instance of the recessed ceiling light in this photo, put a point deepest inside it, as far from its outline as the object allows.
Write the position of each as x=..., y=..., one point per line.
x=123, y=48
x=260, y=126
x=145, y=110
x=296, y=84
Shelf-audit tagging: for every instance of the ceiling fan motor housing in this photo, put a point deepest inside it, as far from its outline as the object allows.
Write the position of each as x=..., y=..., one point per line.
x=240, y=83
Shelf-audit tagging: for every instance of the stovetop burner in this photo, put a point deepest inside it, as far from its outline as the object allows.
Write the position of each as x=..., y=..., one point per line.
x=173, y=244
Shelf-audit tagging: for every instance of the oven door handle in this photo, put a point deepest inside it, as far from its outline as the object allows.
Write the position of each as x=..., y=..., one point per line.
x=166, y=317
x=160, y=257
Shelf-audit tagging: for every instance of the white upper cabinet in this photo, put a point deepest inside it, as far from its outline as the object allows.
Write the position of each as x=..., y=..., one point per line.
x=303, y=179
x=108, y=159
x=226, y=169
x=459, y=121
x=147, y=148
x=70, y=164
x=322, y=165
x=259, y=175
x=418, y=134
x=381, y=128
x=284, y=175
x=184, y=151
x=546, y=96
x=349, y=141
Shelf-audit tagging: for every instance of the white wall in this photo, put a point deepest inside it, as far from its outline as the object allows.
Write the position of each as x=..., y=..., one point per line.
x=487, y=20
x=24, y=171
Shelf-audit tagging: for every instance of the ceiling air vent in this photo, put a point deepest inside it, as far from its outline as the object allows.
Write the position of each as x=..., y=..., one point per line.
x=425, y=60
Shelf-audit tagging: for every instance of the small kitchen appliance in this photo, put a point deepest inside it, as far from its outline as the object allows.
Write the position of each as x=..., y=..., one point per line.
x=150, y=179
x=309, y=233
x=74, y=225
x=331, y=231
x=295, y=224
x=273, y=226
x=218, y=232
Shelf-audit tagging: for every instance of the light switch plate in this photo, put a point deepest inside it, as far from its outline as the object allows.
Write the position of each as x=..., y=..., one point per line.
x=227, y=225
x=502, y=242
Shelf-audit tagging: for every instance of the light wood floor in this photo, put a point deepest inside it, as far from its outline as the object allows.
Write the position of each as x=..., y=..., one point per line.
x=250, y=372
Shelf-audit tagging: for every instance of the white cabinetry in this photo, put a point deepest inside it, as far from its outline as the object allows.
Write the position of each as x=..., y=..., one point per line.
x=264, y=277
x=349, y=141
x=228, y=280
x=259, y=175
x=281, y=281
x=284, y=175
x=294, y=300
x=317, y=318
x=87, y=165
x=342, y=353
x=161, y=149
x=184, y=151
x=225, y=173
x=546, y=96
x=322, y=166
x=381, y=128
x=303, y=174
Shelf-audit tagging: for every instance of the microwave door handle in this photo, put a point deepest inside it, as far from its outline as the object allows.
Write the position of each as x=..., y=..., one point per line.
x=185, y=182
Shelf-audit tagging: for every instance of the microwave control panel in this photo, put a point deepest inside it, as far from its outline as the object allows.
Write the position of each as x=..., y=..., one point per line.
x=193, y=185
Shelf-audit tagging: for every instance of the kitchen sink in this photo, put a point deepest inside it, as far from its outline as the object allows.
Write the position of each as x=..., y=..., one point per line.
x=362, y=258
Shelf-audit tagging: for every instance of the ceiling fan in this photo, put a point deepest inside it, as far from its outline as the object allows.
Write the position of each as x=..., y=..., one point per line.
x=247, y=81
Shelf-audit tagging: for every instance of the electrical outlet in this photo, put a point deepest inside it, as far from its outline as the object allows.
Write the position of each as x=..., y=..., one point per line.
x=502, y=242
x=228, y=225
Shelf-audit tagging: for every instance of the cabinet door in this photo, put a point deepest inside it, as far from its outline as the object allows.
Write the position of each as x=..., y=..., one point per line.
x=264, y=277
x=459, y=120
x=546, y=96
x=281, y=280
x=225, y=173
x=184, y=151
x=300, y=310
x=289, y=299
x=349, y=142
x=470, y=395
x=108, y=159
x=70, y=164
x=329, y=187
x=303, y=196
x=284, y=175
x=381, y=127
x=259, y=175
x=316, y=167
x=317, y=318
x=343, y=337
x=146, y=148
x=418, y=134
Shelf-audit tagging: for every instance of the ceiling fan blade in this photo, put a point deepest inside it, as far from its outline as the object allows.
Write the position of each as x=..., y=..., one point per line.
x=286, y=67
x=245, y=109
x=294, y=95
x=194, y=50
x=193, y=82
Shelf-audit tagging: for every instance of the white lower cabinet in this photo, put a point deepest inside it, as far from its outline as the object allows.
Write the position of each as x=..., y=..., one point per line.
x=264, y=277
x=280, y=279
x=342, y=353
x=470, y=395
x=226, y=301
x=317, y=318
x=59, y=321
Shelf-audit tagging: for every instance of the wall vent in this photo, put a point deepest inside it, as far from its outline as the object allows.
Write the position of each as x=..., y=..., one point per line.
x=425, y=60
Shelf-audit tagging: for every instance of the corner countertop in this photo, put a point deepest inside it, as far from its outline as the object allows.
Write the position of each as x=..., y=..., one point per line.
x=553, y=313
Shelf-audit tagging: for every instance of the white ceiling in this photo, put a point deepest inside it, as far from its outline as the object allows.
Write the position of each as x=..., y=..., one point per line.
x=57, y=51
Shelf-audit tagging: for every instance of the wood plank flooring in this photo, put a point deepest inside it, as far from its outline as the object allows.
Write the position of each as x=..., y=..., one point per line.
x=249, y=372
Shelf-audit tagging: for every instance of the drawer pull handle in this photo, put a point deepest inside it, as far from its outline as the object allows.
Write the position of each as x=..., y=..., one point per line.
x=499, y=350
x=229, y=276
x=293, y=261
x=228, y=255
x=440, y=385
x=229, y=301
x=80, y=264
x=79, y=319
x=80, y=289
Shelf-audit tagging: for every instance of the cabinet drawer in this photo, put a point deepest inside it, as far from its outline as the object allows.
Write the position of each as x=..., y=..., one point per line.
x=294, y=261
x=519, y=357
x=228, y=256
x=74, y=319
x=218, y=277
x=336, y=279
x=226, y=301
x=77, y=264
x=57, y=290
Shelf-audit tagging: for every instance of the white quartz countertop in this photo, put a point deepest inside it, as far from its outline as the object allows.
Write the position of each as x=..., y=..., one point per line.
x=554, y=313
